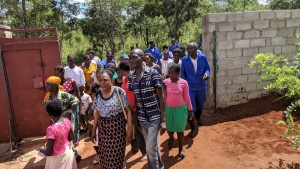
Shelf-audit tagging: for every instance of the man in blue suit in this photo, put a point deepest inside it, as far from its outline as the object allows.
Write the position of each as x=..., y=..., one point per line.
x=154, y=51
x=195, y=70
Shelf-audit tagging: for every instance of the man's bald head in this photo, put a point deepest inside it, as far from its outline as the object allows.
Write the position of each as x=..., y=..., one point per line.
x=138, y=52
x=193, y=44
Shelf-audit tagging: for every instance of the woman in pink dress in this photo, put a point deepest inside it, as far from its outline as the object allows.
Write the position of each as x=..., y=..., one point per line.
x=58, y=148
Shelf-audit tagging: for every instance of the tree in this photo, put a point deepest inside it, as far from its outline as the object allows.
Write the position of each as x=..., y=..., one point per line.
x=175, y=13
x=283, y=5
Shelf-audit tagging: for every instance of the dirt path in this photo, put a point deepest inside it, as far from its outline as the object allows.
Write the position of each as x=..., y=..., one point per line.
x=242, y=136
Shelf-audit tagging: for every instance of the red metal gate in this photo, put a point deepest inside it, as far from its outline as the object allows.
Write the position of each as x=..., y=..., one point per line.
x=23, y=60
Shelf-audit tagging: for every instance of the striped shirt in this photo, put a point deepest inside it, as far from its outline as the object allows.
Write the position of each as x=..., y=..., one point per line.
x=145, y=93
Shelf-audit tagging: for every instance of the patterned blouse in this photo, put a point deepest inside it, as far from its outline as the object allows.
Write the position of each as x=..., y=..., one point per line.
x=110, y=107
x=68, y=100
x=68, y=87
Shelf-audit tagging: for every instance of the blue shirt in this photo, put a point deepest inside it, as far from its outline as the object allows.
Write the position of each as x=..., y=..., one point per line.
x=105, y=63
x=145, y=94
x=173, y=47
x=195, y=81
x=155, y=53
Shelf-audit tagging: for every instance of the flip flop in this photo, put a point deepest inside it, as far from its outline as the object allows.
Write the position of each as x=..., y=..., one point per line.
x=144, y=158
x=182, y=154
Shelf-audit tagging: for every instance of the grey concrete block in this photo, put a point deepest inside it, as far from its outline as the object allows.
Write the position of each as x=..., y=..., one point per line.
x=278, y=24
x=250, y=52
x=269, y=33
x=258, y=42
x=243, y=26
x=234, y=88
x=225, y=45
x=282, y=14
x=234, y=16
x=249, y=86
x=234, y=53
x=252, y=34
x=238, y=96
x=289, y=49
x=293, y=23
x=234, y=35
x=253, y=78
x=234, y=71
x=245, y=43
x=267, y=49
x=241, y=61
x=288, y=32
x=277, y=50
x=225, y=63
x=267, y=14
x=221, y=54
x=239, y=79
x=261, y=24
x=217, y=17
x=227, y=26
x=278, y=41
x=250, y=16
x=221, y=36
x=296, y=13
x=254, y=94
x=247, y=70
x=224, y=81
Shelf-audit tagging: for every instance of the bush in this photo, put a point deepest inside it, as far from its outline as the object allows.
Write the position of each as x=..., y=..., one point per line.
x=286, y=75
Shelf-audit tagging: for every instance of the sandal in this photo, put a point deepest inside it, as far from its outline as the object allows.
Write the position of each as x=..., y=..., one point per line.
x=170, y=143
x=96, y=159
x=144, y=158
x=182, y=154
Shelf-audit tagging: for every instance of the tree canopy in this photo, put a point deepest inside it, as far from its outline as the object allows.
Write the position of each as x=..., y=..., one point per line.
x=117, y=25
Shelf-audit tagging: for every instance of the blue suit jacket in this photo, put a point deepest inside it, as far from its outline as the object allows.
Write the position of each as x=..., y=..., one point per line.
x=155, y=53
x=188, y=73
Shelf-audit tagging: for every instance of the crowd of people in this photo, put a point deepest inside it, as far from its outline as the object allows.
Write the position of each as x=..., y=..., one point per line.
x=130, y=102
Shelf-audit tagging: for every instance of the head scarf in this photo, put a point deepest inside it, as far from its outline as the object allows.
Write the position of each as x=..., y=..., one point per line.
x=53, y=80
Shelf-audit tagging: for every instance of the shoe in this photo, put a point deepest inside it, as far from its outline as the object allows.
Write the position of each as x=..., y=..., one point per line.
x=199, y=122
x=96, y=159
x=193, y=133
x=170, y=143
x=78, y=158
x=182, y=154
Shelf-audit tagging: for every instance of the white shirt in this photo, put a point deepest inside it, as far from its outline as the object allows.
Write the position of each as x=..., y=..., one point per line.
x=76, y=73
x=96, y=59
x=165, y=65
x=194, y=61
x=85, y=101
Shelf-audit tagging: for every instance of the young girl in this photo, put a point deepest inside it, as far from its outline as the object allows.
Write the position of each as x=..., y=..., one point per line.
x=177, y=103
x=58, y=148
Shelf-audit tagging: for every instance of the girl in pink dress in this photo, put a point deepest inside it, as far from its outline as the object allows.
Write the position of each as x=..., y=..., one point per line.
x=58, y=148
x=178, y=107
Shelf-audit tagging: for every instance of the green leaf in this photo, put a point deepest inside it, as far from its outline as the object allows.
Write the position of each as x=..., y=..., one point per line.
x=281, y=122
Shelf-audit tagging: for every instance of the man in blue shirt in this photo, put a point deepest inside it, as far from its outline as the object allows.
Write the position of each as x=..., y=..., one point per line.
x=109, y=59
x=195, y=70
x=173, y=45
x=154, y=51
x=147, y=86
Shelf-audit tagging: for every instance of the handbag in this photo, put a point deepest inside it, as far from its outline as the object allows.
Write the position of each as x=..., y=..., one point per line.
x=124, y=112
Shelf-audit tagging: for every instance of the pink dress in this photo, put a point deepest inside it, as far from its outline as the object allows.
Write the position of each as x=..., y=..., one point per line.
x=59, y=133
x=177, y=94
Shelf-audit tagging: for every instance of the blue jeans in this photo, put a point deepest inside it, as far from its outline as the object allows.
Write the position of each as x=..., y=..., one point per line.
x=150, y=132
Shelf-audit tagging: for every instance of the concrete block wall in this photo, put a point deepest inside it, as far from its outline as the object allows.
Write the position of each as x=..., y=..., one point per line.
x=240, y=36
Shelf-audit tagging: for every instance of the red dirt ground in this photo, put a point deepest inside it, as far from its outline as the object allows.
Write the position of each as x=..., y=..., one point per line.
x=238, y=137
